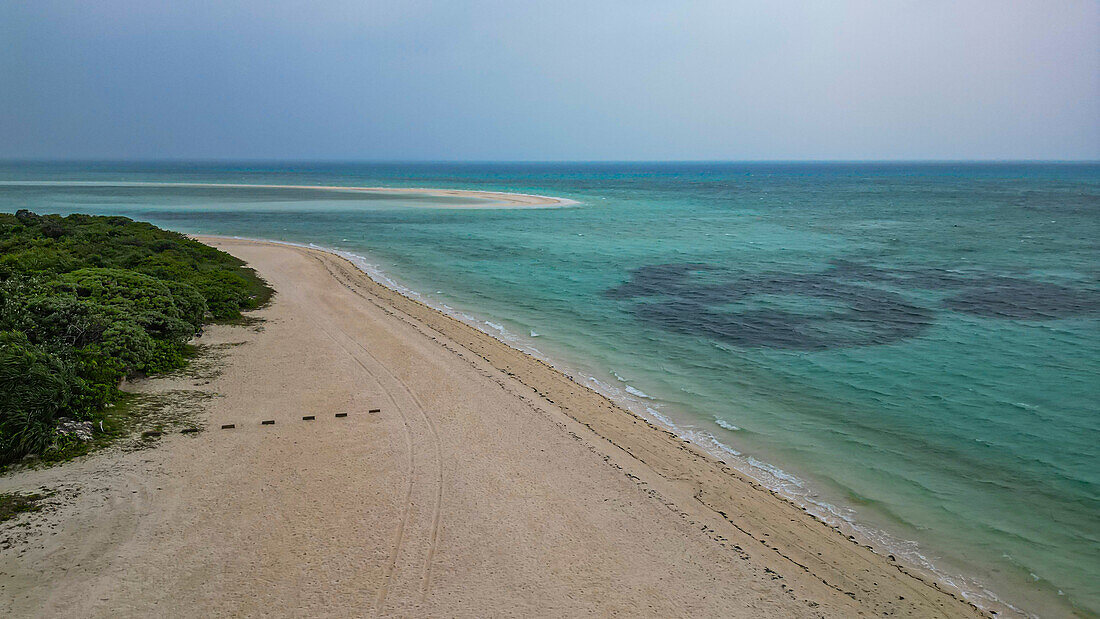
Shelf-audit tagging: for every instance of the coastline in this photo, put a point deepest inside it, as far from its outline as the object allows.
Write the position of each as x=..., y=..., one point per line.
x=763, y=476
x=487, y=482
x=500, y=351
x=790, y=410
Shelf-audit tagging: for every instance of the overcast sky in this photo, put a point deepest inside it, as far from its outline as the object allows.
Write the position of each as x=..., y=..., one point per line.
x=527, y=80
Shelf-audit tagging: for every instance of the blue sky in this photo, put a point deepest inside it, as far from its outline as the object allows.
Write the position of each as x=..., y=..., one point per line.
x=585, y=80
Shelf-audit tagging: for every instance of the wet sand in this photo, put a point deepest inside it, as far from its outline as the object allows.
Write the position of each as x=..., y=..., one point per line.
x=487, y=484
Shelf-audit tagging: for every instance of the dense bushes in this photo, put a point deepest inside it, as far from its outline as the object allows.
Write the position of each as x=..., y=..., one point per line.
x=87, y=301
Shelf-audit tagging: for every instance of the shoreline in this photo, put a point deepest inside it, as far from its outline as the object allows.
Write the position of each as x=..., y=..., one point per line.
x=687, y=398
x=467, y=479
x=926, y=574
x=498, y=199
x=770, y=478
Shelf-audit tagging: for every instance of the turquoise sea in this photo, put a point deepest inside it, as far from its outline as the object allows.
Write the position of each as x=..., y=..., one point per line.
x=912, y=350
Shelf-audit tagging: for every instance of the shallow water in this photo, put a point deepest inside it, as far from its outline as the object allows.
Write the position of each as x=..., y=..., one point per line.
x=912, y=347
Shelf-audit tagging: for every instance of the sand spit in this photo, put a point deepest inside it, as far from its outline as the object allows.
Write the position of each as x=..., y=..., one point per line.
x=486, y=484
x=494, y=199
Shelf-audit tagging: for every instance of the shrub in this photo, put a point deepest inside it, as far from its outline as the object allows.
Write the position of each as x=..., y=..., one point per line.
x=86, y=301
x=34, y=389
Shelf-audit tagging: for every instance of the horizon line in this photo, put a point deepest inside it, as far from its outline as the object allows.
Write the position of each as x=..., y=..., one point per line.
x=184, y=160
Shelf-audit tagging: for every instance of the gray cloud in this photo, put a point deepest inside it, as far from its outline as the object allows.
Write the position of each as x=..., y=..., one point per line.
x=550, y=80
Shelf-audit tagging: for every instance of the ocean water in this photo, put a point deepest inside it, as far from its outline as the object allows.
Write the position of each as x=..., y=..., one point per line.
x=910, y=350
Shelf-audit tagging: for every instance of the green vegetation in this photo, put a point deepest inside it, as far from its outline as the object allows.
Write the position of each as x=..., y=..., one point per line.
x=15, y=503
x=88, y=301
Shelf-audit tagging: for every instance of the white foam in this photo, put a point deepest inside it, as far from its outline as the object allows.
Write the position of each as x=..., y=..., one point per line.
x=725, y=424
x=659, y=417
x=712, y=445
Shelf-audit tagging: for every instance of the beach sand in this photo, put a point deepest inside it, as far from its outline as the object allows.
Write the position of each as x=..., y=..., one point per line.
x=491, y=199
x=488, y=484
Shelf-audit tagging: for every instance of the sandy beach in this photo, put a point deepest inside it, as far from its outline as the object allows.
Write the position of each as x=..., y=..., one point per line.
x=486, y=484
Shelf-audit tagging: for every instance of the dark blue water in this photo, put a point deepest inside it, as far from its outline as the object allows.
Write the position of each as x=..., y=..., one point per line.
x=911, y=348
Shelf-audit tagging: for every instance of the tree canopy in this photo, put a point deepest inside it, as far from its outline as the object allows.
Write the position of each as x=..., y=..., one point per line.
x=86, y=301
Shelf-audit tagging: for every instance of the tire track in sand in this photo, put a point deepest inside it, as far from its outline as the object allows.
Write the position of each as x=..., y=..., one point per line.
x=391, y=564
x=927, y=594
x=436, y=516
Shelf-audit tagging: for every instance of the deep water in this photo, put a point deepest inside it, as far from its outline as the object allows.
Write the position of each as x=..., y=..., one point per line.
x=912, y=347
